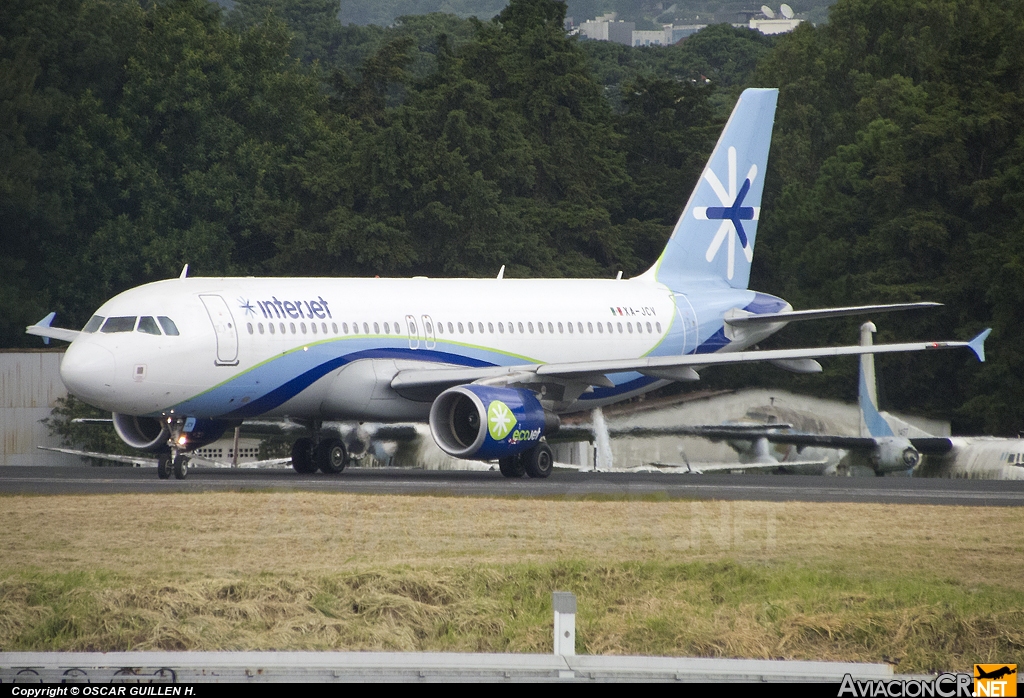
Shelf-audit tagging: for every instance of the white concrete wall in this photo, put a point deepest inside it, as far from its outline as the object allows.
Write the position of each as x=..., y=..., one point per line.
x=29, y=388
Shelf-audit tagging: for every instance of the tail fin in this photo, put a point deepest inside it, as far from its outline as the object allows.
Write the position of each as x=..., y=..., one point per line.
x=724, y=207
x=872, y=423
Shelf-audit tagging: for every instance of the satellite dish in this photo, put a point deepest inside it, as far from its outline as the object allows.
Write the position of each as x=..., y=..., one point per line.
x=786, y=11
x=767, y=12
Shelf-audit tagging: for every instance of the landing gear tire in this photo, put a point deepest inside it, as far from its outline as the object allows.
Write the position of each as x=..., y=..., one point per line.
x=331, y=456
x=302, y=456
x=163, y=466
x=538, y=461
x=512, y=466
x=180, y=467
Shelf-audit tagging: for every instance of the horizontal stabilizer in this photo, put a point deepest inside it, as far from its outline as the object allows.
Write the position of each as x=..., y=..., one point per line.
x=795, y=315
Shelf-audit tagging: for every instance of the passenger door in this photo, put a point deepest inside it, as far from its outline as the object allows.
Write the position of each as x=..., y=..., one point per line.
x=224, y=327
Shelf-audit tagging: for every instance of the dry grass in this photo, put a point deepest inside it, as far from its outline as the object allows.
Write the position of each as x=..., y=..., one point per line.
x=936, y=587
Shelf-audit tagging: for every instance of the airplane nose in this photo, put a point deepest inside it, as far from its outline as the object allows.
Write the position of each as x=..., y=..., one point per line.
x=88, y=372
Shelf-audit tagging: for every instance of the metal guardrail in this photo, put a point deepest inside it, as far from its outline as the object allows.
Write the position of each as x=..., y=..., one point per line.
x=563, y=664
x=260, y=667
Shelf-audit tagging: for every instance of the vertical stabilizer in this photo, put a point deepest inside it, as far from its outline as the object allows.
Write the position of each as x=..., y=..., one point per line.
x=871, y=422
x=714, y=237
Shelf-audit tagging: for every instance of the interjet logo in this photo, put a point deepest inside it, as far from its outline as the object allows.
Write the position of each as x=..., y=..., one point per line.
x=732, y=213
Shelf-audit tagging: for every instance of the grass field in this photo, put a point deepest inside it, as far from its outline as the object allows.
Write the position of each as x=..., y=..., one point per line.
x=928, y=587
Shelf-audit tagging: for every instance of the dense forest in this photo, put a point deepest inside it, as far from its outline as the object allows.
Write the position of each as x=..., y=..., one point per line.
x=646, y=14
x=274, y=139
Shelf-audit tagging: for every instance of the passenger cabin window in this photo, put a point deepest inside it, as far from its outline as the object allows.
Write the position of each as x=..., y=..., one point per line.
x=94, y=324
x=167, y=323
x=148, y=325
x=119, y=324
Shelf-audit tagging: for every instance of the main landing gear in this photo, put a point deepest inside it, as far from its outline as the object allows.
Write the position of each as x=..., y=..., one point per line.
x=537, y=462
x=326, y=454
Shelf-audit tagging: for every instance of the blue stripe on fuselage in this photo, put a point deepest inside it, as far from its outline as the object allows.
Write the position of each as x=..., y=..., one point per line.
x=272, y=383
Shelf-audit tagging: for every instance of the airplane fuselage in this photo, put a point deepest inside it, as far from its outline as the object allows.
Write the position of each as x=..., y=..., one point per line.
x=977, y=458
x=328, y=348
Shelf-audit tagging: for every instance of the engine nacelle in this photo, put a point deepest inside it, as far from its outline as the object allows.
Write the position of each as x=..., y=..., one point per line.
x=480, y=422
x=143, y=433
x=894, y=454
x=151, y=433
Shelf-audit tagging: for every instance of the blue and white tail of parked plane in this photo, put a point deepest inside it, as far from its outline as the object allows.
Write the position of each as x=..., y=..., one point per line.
x=490, y=364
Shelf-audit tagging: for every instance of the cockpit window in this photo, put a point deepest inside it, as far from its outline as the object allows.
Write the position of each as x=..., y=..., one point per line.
x=94, y=324
x=148, y=325
x=168, y=324
x=119, y=324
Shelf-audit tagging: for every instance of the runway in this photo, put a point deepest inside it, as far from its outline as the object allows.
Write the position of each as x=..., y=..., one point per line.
x=62, y=480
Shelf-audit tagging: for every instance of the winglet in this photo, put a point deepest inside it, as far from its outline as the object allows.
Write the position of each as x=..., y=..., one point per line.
x=977, y=345
x=44, y=328
x=46, y=322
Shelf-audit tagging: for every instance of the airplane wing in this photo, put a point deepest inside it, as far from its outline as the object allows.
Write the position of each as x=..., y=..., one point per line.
x=777, y=433
x=702, y=468
x=709, y=431
x=594, y=373
x=144, y=462
x=43, y=329
x=137, y=461
x=818, y=314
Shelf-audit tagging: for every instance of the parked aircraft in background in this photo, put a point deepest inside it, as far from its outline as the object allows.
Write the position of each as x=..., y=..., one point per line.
x=488, y=363
x=886, y=443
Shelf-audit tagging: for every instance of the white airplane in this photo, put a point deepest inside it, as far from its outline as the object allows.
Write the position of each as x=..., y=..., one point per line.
x=488, y=363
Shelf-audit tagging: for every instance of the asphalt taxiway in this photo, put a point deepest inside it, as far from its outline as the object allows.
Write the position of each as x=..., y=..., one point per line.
x=61, y=480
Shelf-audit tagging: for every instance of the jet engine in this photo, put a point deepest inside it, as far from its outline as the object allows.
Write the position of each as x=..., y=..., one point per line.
x=151, y=433
x=894, y=454
x=144, y=433
x=482, y=422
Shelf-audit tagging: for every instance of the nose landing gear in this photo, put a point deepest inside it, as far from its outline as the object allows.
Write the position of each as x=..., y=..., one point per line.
x=175, y=460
